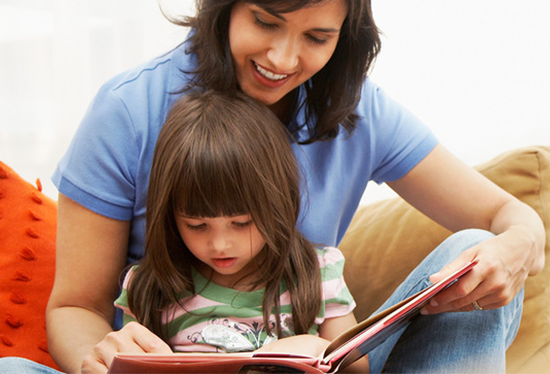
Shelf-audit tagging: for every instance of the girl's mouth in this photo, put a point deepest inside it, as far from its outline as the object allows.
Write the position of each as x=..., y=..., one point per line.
x=224, y=262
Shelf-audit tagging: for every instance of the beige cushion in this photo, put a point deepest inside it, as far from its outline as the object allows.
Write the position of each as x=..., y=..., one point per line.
x=387, y=239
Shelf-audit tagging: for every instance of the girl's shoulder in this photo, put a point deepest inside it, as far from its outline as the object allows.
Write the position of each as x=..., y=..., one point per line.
x=329, y=256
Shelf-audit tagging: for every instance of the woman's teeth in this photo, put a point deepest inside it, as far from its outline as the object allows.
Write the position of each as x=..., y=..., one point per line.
x=269, y=75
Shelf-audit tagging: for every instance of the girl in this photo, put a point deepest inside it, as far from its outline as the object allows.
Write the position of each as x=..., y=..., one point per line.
x=308, y=61
x=225, y=267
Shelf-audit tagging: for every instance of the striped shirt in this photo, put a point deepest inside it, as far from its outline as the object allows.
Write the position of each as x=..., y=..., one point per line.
x=223, y=319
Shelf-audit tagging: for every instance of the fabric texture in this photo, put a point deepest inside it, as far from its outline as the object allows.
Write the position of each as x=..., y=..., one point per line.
x=106, y=168
x=223, y=319
x=27, y=265
x=387, y=227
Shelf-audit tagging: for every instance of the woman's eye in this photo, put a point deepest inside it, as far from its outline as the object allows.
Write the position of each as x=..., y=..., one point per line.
x=264, y=25
x=316, y=40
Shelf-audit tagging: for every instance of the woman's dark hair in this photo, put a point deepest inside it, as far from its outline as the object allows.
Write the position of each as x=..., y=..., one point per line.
x=332, y=94
x=218, y=155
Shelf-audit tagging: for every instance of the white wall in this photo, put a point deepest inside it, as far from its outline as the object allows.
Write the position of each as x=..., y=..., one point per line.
x=476, y=71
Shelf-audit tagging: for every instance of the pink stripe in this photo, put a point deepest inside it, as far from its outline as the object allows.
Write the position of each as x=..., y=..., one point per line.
x=126, y=310
x=335, y=310
x=331, y=256
x=332, y=288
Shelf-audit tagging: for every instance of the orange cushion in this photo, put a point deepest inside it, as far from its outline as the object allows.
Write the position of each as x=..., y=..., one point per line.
x=27, y=265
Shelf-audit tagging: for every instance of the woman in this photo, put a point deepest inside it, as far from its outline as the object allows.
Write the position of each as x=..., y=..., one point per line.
x=306, y=60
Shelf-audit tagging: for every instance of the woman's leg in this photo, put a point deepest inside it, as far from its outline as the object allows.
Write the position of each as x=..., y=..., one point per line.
x=11, y=365
x=449, y=342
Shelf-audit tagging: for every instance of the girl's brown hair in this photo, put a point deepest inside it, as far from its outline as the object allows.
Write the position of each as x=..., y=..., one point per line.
x=218, y=155
x=332, y=94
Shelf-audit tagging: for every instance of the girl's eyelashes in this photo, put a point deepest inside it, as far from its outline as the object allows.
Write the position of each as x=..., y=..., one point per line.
x=204, y=225
x=243, y=224
x=196, y=227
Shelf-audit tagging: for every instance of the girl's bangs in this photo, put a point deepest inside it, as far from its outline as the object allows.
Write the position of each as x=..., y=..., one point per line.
x=212, y=189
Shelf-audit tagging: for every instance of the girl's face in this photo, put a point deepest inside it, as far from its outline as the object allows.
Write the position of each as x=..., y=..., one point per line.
x=275, y=53
x=225, y=244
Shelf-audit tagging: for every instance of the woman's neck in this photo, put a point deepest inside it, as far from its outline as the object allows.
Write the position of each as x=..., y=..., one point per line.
x=284, y=108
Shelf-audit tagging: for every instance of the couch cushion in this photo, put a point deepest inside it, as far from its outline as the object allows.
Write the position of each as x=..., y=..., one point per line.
x=27, y=265
x=395, y=237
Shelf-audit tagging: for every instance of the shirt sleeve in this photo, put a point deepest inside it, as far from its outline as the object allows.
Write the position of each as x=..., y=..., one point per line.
x=98, y=169
x=337, y=299
x=122, y=301
x=398, y=139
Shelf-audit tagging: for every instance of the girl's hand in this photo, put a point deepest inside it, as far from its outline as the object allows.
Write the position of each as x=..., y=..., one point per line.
x=132, y=338
x=308, y=345
x=503, y=267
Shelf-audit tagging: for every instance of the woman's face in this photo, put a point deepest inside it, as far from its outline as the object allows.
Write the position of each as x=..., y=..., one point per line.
x=275, y=53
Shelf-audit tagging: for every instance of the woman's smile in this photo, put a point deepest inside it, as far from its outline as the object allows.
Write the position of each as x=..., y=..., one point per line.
x=273, y=53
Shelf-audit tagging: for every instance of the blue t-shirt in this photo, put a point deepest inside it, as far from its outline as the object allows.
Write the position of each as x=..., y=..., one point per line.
x=106, y=168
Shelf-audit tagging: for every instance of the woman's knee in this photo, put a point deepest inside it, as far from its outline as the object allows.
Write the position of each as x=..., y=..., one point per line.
x=463, y=240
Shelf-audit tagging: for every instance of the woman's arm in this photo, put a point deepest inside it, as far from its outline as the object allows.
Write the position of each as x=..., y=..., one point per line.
x=90, y=255
x=458, y=197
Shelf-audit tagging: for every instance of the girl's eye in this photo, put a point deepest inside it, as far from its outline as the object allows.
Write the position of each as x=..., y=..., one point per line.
x=243, y=224
x=196, y=227
x=262, y=24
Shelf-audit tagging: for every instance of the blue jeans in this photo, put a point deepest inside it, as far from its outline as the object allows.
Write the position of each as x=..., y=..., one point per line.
x=462, y=342
x=469, y=342
x=12, y=365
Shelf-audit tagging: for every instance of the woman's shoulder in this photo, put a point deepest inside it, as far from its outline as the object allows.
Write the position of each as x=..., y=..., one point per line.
x=164, y=74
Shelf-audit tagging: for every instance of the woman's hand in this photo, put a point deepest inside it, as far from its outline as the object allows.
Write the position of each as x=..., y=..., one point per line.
x=132, y=338
x=458, y=197
x=504, y=263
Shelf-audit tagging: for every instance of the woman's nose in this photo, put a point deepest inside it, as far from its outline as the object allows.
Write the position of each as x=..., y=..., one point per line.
x=283, y=54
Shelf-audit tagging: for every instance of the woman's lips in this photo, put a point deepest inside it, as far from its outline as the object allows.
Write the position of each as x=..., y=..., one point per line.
x=224, y=262
x=267, y=78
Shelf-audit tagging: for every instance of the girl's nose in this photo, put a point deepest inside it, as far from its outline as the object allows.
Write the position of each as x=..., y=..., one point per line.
x=283, y=54
x=220, y=241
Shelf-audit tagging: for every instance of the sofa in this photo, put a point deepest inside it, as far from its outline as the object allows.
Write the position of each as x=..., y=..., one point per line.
x=378, y=232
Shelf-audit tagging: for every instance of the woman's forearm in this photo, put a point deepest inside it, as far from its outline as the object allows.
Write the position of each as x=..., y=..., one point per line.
x=72, y=334
x=524, y=227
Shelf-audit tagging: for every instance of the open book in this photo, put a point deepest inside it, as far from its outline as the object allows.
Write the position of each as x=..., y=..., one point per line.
x=343, y=351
